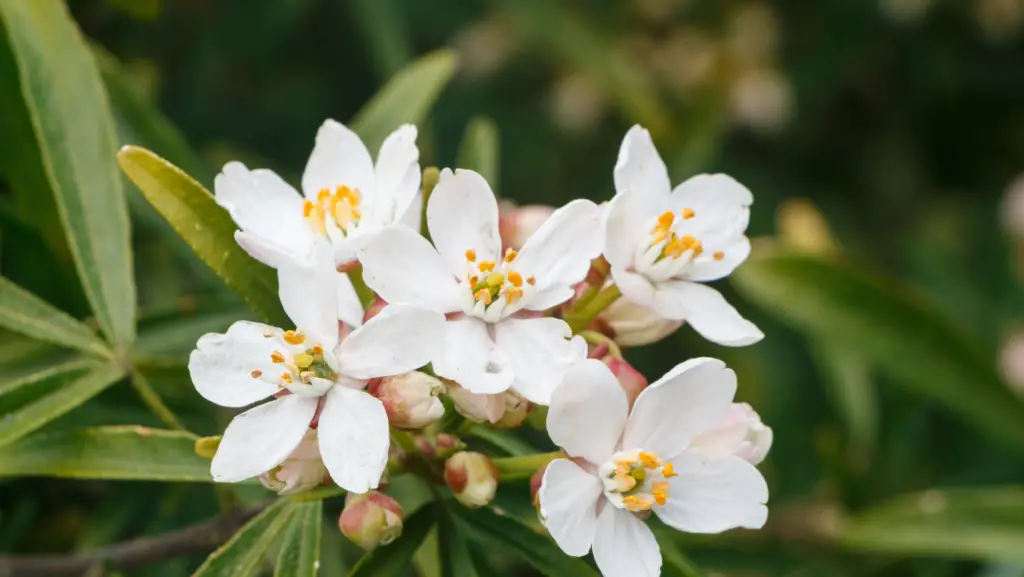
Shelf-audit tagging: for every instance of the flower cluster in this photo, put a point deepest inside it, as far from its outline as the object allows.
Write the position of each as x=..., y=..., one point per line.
x=500, y=309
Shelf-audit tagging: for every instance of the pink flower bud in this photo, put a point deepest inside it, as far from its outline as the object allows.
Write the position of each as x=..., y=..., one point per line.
x=741, y=433
x=301, y=471
x=371, y=519
x=442, y=446
x=515, y=411
x=517, y=223
x=472, y=477
x=535, y=483
x=474, y=406
x=374, y=309
x=410, y=399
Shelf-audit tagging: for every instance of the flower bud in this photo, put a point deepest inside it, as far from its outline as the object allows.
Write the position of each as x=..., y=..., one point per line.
x=535, y=482
x=634, y=325
x=474, y=406
x=442, y=447
x=371, y=519
x=630, y=379
x=472, y=477
x=516, y=409
x=410, y=399
x=741, y=433
x=517, y=223
x=301, y=471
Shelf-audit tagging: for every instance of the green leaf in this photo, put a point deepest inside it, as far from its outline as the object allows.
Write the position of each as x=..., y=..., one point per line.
x=407, y=97
x=480, y=150
x=537, y=550
x=673, y=562
x=452, y=549
x=842, y=307
x=74, y=147
x=300, y=547
x=985, y=523
x=242, y=554
x=207, y=228
x=25, y=313
x=122, y=452
x=394, y=558
x=68, y=366
x=852, y=393
x=45, y=409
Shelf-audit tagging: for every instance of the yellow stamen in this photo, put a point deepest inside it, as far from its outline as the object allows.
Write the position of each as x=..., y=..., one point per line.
x=303, y=360
x=515, y=278
x=688, y=240
x=650, y=460
x=323, y=195
x=256, y=374
x=666, y=219
x=531, y=281
x=286, y=377
x=294, y=337
x=668, y=471
x=634, y=503
x=471, y=255
x=307, y=208
x=318, y=350
x=510, y=255
x=512, y=294
x=483, y=295
x=660, y=492
x=719, y=255
x=698, y=248
x=277, y=357
x=473, y=280
x=688, y=213
x=486, y=265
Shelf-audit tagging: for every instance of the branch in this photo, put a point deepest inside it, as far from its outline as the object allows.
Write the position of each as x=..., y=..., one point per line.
x=135, y=553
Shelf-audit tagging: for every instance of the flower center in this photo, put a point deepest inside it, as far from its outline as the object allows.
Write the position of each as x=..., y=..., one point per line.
x=333, y=215
x=636, y=480
x=301, y=363
x=491, y=282
x=674, y=245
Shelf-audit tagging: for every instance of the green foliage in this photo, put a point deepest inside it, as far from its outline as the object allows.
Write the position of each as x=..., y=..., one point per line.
x=300, y=546
x=480, y=150
x=394, y=558
x=242, y=554
x=25, y=313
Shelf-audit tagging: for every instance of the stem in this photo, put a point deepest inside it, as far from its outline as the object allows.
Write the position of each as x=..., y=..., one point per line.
x=597, y=338
x=404, y=442
x=365, y=293
x=580, y=316
x=431, y=175
x=513, y=468
x=153, y=401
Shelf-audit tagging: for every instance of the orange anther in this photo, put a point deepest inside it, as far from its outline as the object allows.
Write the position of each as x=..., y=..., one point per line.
x=486, y=266
x=483, y=295
x=307, y=208
x=471, y=255
x=294, y=337
x=531, y=281
x=277, y=357
x=510, y=255
x=515, y=278
x=688, y=213
x=256, y=374
x=318, y=350
x=719, y=255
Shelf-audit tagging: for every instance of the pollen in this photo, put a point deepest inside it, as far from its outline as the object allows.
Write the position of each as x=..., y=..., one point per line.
x=307, y=208
x=650, y=460
x=719, y=255
x=277, y=357
x=510, y=255
x=668, y=471
x=483, y=295
x=256, y=374
x=634, y=503
x=471, y=255
x=286, y=378
x=294, y=337
x=512, y=294
x=666, y=219
x=697, y=248
x=473, y=280
x=515, y=278
x=688, y=213
x=486, y=265
x=531, y=281
x=659, y=491
x=317, y=350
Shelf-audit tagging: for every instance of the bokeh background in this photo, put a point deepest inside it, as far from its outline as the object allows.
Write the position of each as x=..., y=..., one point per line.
x=884, y=137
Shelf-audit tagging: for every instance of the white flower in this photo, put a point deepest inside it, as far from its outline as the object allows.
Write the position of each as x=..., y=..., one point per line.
x=254, y=361
x=628, y=463
x=635, y=325
x=345, y=197
x=740, y=433
x=487, y=347
x=662, y=242
x=301, y=471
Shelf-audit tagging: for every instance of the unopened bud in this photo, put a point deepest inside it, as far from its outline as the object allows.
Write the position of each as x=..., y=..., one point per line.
x=630, y=379
x=206, y=447
x=634, y=325
x=440, y=447
x=301, y=471
x=535, y=482
x=741, y=433
x=371, y=519
x=472, y=477
x=516, y=409
x=374, y=308
x=517, y=223
x=410, y=399
x=474, y=406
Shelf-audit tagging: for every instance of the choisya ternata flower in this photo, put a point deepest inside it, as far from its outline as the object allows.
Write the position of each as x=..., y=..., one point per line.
x=488, y=348
x=628, y=463
x=253, y=361
x=662, y=243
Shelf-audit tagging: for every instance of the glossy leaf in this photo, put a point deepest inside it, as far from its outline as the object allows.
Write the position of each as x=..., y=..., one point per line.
x=47, y=408
x=25, y=313
x=843, y=307
x=539, y=551
x=10, y=387
x=480, y=150
x=395, y=558
x=123, y=453
x=847, y=379
x=961, y=523
x=300, y=547
x=206, y=227
x=243, y=553
x=407, y=97
x=452, y=549
x=74, y=147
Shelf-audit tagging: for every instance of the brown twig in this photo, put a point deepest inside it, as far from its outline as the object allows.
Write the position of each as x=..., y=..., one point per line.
x=132, y=554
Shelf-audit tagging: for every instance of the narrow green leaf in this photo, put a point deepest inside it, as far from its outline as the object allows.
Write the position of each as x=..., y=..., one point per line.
x=846, y=308
x=122, y=452
x=242, y=554
x=64, y=367
x=151, y=398
x=207, y=228
x=407, y=97
x=673, y=562
x=300, y=547
x=75, y=146
x=985, y=523
x=25, y=313
x=45, y=409
x=480, y=150
x=852, y=393
x=537, y=550
x=394, y=558
x=452, y=549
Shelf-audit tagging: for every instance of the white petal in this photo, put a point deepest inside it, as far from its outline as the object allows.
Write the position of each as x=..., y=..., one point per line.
x=708, y=269
x=635, y=288
x=222, y=365
x=350, y=309
x=354, y=438
x=413, y=217
x=707, y=311
x=266, y=208
x=588, y=412
x=540, y=352
x=559, y=253
x=398, y=175
x=568, y=505
x=261, y=438
x=690, y=399
x=720, y=194
x=339, y=158
x=402, y=267
x=399, y=339
x=471, y=358
x=626, y=217
x=639, y=166
x=462, y=214
x=624, y=546
x=274, y=255
x=309, y=294
x=714, y=493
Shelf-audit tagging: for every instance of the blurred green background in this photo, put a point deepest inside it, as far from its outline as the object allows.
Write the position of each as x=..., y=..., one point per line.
x=881, y=139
